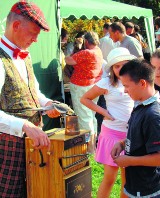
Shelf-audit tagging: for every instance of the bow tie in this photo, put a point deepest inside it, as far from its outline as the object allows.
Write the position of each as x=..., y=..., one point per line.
x=16, y=52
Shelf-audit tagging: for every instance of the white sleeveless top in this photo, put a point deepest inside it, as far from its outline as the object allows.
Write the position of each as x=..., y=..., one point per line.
x=118, y=103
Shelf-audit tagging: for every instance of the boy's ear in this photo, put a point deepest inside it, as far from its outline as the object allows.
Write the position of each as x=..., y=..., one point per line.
x=143, y=83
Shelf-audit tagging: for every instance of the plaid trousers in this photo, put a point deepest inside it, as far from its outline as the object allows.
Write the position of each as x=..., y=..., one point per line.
x=12, y=167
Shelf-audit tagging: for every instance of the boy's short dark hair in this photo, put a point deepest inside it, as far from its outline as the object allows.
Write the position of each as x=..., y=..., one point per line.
x=138, y=69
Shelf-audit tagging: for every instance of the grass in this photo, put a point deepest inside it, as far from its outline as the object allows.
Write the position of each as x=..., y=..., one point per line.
x=97, y=175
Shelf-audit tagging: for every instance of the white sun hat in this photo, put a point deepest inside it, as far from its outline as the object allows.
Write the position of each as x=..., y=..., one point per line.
x=117, y=55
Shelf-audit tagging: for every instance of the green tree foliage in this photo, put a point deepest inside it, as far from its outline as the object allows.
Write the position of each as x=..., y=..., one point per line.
x=151, y=4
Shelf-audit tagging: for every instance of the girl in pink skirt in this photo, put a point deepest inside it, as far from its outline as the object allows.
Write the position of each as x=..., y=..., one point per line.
x=114, y=126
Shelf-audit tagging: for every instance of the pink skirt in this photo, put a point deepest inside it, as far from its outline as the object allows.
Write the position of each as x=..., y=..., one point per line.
x=106, y=141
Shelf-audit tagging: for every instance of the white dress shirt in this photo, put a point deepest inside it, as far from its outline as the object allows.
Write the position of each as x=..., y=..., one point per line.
x=106, y=45
x=10, y=124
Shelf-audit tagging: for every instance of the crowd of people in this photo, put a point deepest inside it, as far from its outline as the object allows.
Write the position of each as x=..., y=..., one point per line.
x=109, y=76
x=78, y=69
x=122, y=48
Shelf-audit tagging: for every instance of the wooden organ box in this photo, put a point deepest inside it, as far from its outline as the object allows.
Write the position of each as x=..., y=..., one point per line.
x=61, y=172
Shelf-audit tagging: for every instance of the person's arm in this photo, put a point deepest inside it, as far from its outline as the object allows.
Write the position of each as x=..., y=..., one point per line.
x=77, y=58
x=9, y=124
x=146, y=160
x=89, y=96
x=38, y=137
x=70, y=61
x=52, y=113
x=117, y=149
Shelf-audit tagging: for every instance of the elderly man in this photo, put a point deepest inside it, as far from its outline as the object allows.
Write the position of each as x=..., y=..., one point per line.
x=19, y=91
x=118, y=33
x=87, y=71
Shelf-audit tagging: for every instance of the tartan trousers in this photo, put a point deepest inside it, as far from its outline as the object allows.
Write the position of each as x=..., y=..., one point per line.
x=12, y=167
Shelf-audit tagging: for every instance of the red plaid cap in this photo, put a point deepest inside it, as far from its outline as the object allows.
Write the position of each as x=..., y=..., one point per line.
x=32, y=12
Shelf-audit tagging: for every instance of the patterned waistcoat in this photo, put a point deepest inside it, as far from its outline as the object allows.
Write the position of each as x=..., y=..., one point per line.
x=16, y=96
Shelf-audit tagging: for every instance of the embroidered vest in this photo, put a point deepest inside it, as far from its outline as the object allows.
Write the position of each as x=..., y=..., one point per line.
x=16, y=96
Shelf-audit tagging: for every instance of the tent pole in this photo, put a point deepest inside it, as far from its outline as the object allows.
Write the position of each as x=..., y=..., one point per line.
x=150, y=33
x=60, y=26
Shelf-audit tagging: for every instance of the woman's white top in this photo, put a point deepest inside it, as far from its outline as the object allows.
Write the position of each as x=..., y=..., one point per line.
x=118, y=103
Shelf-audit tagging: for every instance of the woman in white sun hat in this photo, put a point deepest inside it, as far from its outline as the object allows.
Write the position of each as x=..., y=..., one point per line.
x=114, y=126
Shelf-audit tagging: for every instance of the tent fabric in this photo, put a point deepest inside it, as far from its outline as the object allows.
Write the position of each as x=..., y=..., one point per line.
x=150, y=33
x=44, y=53
x=109, y=8
x=101, y=8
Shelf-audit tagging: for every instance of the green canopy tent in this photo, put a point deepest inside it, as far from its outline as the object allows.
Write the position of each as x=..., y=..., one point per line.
x=44, y=53
x=109, y=8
